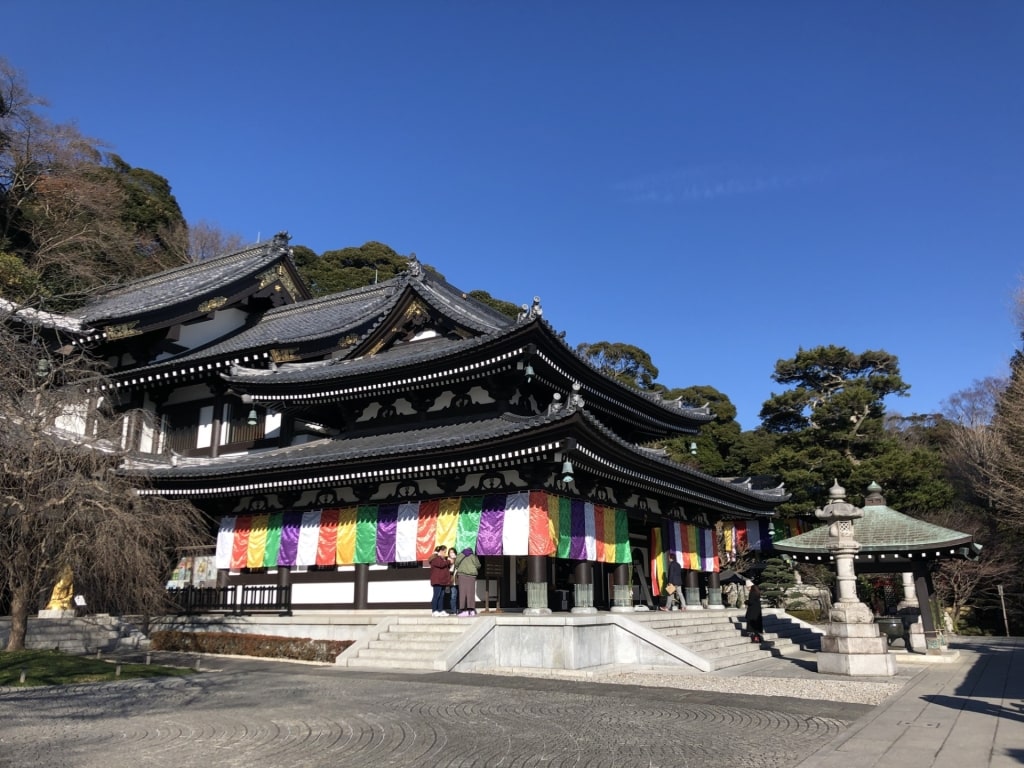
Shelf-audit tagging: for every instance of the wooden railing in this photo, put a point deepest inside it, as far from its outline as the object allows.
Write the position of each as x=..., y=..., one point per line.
x=240, y=600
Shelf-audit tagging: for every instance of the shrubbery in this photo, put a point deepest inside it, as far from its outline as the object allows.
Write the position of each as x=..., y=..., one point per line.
x=263, y=646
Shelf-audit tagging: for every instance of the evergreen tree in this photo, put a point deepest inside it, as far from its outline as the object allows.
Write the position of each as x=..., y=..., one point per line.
x=776, y=578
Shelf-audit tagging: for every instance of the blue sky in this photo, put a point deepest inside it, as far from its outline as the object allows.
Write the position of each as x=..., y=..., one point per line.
x=719, y=184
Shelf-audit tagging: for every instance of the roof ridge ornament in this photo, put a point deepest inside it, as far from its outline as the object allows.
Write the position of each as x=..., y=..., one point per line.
x=874, y=496
x=530, y=311
x=556, y=404
x=415, y=268
x=281, y=239
x=576, y=399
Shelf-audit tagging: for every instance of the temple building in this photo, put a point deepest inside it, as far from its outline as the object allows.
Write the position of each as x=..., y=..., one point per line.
x=335, y=441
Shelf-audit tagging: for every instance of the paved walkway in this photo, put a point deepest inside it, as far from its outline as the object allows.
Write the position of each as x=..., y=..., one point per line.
x=967, y=714
x=245, y=713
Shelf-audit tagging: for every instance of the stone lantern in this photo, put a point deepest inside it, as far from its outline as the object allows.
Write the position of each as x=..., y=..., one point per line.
x=852, y=644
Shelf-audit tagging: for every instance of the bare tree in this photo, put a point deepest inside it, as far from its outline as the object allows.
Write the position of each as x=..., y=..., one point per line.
x=63, y=503
x=75, y=214
x=206, y=240
x=971, y=443
x=966, y=584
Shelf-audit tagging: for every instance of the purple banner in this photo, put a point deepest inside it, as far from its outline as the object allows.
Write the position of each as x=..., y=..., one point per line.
x=492, y=516
x=289, y=538
x=578, y=531
x=387, y=532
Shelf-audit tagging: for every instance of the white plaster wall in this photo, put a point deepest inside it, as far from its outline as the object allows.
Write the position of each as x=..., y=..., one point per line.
x=198, y=334
x=306, y=594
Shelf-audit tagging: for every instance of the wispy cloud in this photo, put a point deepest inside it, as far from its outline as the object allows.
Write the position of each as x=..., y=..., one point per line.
x=699, y=184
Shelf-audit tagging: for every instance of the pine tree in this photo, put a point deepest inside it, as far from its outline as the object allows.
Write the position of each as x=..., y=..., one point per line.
x=776, y=578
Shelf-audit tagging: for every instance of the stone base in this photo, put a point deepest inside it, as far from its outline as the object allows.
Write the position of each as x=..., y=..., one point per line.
x=857, y=664
x=622, y=609
x=536, y=612
x=57, y=613
x=855, y=649
x=854, y=638
x=590, y=609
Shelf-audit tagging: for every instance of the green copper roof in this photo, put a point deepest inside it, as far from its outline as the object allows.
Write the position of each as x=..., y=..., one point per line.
x=881, y=530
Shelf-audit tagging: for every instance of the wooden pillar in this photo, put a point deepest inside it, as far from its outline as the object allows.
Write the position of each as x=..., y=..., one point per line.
x=360, y=598
x=284, y=583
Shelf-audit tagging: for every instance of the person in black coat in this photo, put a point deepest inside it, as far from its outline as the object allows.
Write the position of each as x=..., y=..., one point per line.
x=674, y=576
x=754, y=619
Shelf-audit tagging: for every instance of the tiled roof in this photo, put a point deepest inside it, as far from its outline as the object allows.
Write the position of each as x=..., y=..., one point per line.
x=881, y=530
x=180, y=285
x=330, y=451
x=331, y=317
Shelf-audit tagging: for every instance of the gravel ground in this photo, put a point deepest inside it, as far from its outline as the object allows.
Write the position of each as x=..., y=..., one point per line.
x=806, y=687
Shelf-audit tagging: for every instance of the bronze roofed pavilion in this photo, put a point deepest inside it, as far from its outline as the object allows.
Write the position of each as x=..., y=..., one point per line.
x=337, y=439
x=889, y=542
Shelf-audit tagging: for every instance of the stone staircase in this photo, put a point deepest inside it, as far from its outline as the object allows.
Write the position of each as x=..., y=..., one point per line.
x=719, y=636
x=408, y=642
x=715, y=636
x=87, y=634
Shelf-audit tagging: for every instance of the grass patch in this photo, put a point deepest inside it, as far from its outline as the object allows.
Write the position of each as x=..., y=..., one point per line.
x=260, y=646
x=56, y=668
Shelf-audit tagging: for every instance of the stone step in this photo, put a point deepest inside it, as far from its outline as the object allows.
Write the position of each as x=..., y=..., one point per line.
x=440, y=627
x=720, y=645
x=404, y=654
x=422, y=644
x=753, y=653
x=389, y=662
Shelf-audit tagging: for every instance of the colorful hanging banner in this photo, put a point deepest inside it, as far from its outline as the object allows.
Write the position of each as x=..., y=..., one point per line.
x=533, y=523
x=695, y=548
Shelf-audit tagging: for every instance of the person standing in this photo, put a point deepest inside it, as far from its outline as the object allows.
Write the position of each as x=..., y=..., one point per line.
x=755, y=621
x=467, y=568
x=453, y=590
x=674, y=576
x=440, y=577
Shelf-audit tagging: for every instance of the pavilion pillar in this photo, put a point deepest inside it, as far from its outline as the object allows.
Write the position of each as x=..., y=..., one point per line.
x=715, y=592
x=852, y=644
x=583, y=578
x=909, y=610
x=622, y=592
x=691, y=590
x=537, y=586
x=909, y=592
x=361, y=592
x=934, y=637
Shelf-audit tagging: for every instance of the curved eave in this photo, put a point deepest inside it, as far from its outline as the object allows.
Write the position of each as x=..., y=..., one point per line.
x=888, y=560
x=604, y=454
x=411, y=454
x=566, y=366
x=489, y=445
x=559, y=370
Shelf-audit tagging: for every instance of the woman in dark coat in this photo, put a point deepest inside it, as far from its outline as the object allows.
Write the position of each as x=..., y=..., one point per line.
x=440, y=577
x=755, y=622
